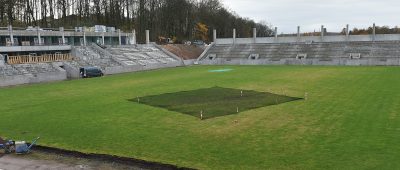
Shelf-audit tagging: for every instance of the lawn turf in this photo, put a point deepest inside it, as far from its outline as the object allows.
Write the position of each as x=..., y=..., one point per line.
x=351, y=119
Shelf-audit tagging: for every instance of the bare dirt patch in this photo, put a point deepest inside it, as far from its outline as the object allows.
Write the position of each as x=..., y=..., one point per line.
x=185, y=52
x=52, y=158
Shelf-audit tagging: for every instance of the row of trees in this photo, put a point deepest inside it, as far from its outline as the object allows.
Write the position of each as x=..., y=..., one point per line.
x=355, y=31
x=168, y=18
x=369, y=30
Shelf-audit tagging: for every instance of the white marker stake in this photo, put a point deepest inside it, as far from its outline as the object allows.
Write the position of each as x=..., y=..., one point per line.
x=138, y=100
x=237, y=109
x=201, y=114
x=241, y=93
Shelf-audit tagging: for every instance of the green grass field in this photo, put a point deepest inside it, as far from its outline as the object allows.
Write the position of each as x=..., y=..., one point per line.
x=350, y=120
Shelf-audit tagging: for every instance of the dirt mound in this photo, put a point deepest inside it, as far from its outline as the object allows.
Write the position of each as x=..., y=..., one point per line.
x=185, y=52
x=135, y=163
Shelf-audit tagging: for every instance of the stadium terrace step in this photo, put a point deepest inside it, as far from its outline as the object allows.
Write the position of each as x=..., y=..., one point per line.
x=30, y=73
x=141, y=54
x=35, y=69
x=91, y=56
x=8, y=70
x=320, y=51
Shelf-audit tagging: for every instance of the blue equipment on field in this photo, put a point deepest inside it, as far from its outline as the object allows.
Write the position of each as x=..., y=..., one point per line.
x=19, y=147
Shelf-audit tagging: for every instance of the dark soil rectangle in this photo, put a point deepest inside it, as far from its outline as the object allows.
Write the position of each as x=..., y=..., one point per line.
x=214, y=102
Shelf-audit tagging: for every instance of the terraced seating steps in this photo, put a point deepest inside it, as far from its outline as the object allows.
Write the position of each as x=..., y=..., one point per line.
x=140, y=55
x=314, y=50
x=93, y=57
x=27, y=69
x=8, y=70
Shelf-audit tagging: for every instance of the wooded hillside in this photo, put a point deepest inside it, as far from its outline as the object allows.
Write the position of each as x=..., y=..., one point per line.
x=169, y=18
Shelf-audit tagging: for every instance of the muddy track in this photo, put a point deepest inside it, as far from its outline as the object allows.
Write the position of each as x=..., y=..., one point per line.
x=109, y=158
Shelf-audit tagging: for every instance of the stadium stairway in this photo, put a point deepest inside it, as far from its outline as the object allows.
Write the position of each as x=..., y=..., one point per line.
x=120, y=59
x=91, y=56
x=30, y=73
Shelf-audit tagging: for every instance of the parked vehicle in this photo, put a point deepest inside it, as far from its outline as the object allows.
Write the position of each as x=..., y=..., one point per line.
x=198, y=42
x=88, y=72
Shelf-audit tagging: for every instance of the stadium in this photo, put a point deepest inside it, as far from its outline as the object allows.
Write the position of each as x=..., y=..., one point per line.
x=255, y=117
x=278, y=102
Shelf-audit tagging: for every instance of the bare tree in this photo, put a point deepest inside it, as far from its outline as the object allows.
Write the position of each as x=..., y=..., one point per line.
x=167, y=18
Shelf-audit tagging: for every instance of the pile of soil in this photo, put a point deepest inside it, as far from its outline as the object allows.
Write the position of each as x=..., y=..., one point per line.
x=185, y=52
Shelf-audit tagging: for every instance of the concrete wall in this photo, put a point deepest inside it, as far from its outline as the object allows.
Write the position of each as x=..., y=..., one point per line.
x=128, y=69
x=48, y=77
x=71, y=71
x=225, y=40
x=29, y=79
x=189, y=62
x=13, y=80
x=291, y=61
x=202, y=55
x=306, y=39
x=2, y=62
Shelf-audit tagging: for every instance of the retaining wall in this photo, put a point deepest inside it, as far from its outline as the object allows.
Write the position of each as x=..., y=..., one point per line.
x=13, y=80
x=189, y=62
x=72, y=72
x=287, y=61
x=48, y=77
x=28, y=79
x=135, y=68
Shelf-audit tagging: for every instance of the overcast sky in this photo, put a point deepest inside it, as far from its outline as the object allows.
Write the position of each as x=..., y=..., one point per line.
x=311, y=14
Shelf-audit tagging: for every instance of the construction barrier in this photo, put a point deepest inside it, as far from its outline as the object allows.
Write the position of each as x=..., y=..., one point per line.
x=27, y=59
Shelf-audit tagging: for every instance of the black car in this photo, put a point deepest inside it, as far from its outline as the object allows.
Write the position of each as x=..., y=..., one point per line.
x=88, y=72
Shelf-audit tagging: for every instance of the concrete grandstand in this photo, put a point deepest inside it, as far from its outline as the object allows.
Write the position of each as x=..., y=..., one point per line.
x=346, y=49
x=46, y=55
x=52, y=55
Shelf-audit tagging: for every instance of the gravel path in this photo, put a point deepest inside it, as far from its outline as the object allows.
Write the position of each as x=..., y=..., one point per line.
x=45, y=161
x=10, y=162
